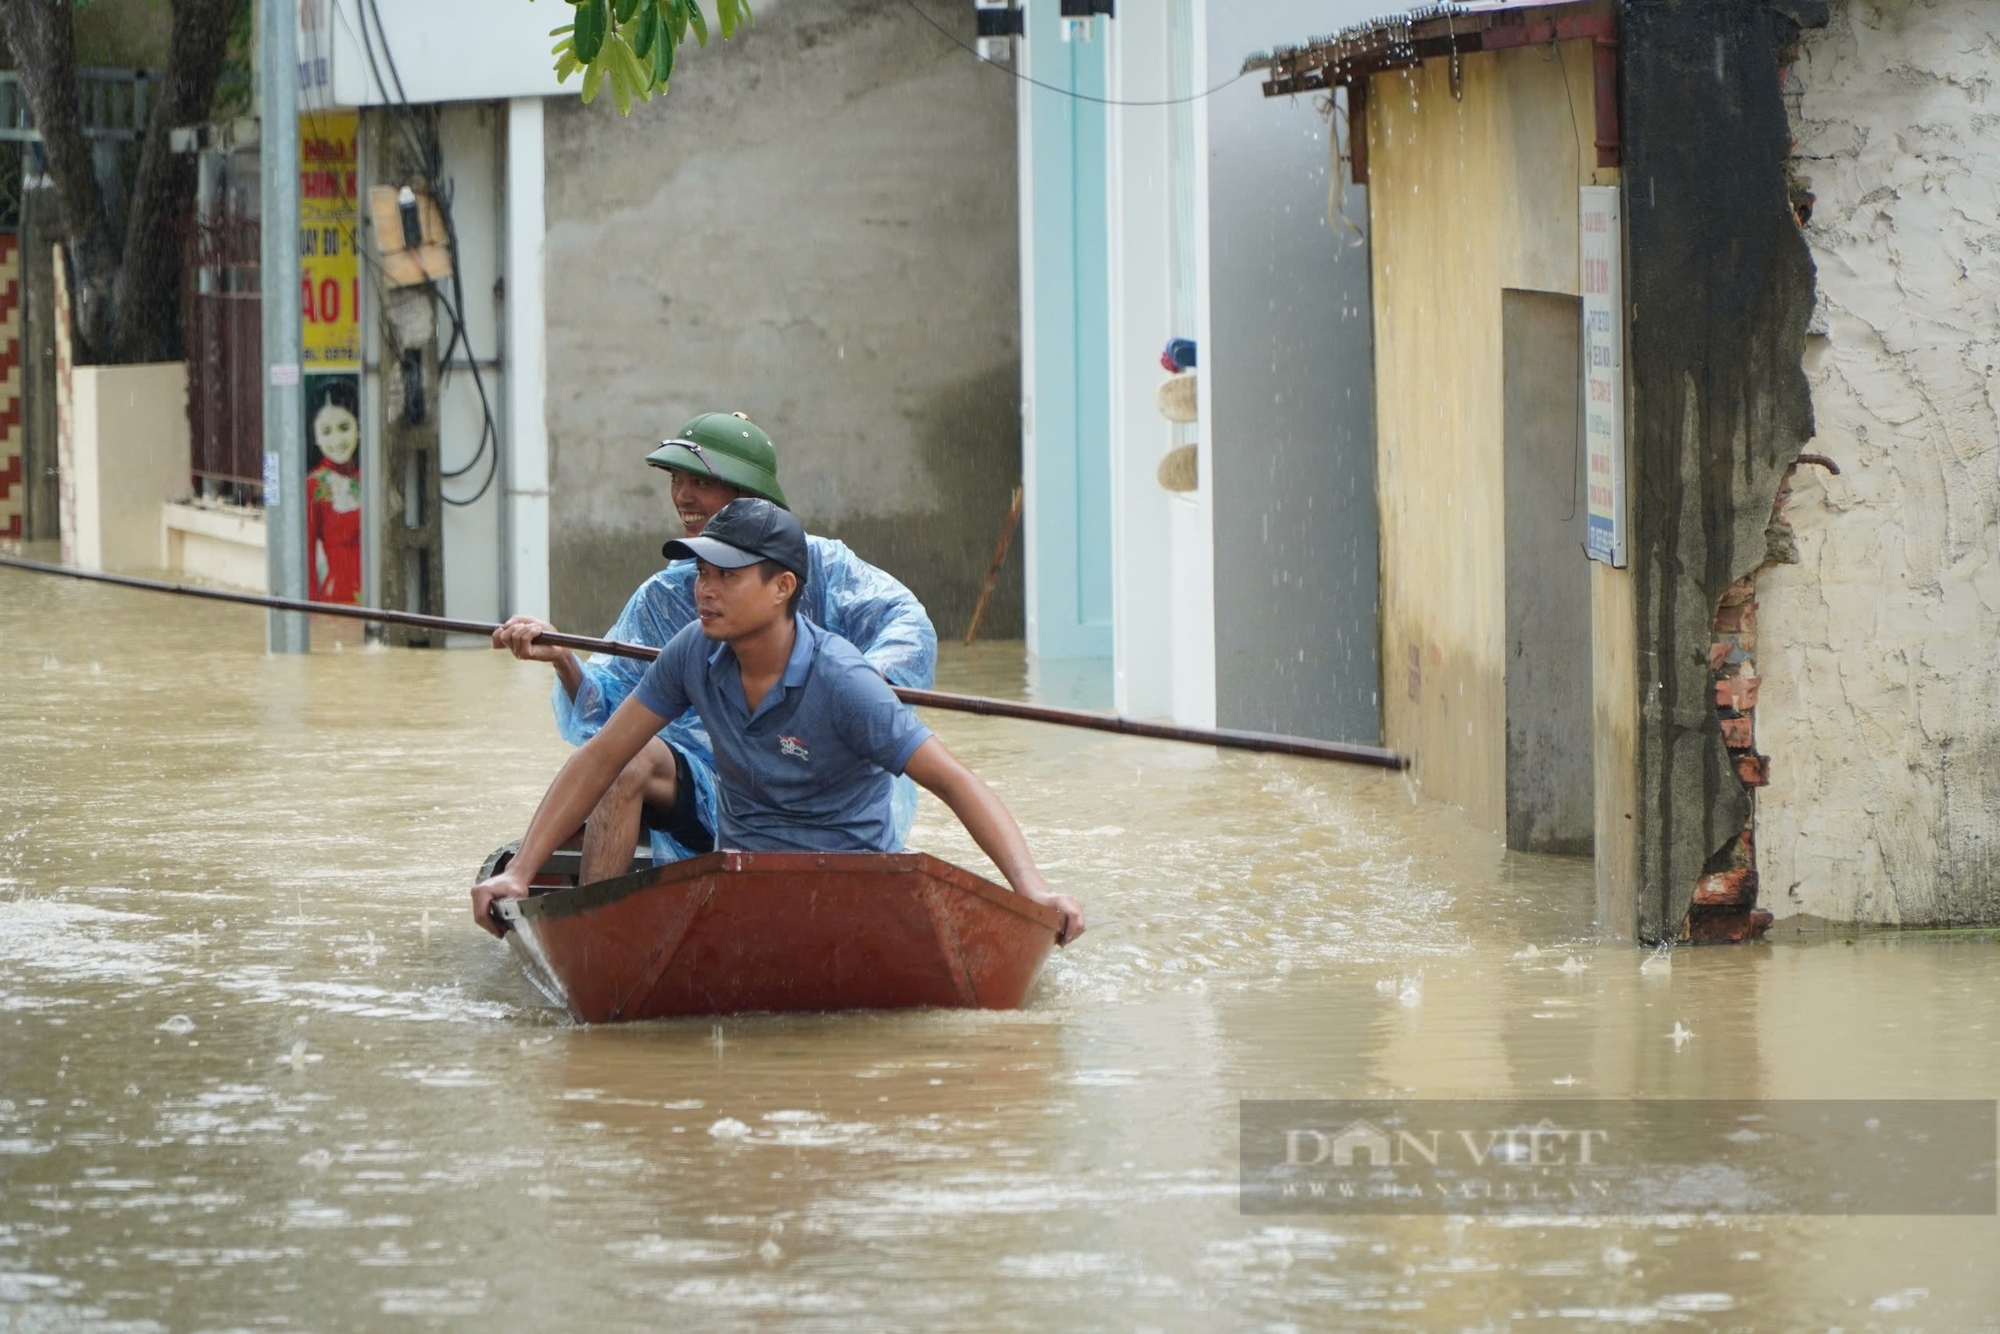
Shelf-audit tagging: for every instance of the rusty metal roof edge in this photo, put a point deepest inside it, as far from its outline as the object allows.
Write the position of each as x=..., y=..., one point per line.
x=1395, y=41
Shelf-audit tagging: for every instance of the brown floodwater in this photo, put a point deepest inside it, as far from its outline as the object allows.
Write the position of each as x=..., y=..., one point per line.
x=258, y=1070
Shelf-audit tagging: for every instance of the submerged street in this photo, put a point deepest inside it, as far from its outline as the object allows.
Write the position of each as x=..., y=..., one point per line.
x=259, y=1070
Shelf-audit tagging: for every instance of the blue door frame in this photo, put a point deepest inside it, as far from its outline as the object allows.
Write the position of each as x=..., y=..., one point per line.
x=1068, y=379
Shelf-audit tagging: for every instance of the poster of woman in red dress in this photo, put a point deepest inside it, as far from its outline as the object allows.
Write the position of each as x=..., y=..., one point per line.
x=333, y=487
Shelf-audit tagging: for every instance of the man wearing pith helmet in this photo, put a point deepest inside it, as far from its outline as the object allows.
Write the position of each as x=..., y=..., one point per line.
x=667, y=793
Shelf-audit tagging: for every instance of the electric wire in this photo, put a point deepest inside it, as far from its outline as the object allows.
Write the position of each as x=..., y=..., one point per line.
x=426, y=151
x=958, y=42
x=429, y=156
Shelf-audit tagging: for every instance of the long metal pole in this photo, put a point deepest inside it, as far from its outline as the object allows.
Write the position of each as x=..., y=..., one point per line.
x=284, y=400
x=1228, y=738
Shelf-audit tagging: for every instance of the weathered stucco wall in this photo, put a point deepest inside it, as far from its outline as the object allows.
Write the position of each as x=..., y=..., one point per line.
x=816, y=227
x=1880, y=702
x=1466, y=199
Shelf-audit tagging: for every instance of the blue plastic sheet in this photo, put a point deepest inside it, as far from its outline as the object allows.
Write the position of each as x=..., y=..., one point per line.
x=844, y=593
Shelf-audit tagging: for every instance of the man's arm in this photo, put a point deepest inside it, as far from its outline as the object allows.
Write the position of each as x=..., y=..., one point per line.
x=517, y=636
x=654, y=613
x=580, y=784
x=992, y=828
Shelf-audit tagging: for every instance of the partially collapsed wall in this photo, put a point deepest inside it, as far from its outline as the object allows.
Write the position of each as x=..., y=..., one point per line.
x=1879, y=704
x=1720, y=287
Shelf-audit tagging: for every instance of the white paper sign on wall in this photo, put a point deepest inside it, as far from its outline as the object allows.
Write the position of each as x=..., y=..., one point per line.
x=1603, y=371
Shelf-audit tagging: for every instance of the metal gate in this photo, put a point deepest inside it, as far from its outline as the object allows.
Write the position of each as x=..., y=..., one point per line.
x=223, y=319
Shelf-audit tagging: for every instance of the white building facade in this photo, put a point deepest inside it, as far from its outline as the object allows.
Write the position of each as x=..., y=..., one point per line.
x=1161, y=199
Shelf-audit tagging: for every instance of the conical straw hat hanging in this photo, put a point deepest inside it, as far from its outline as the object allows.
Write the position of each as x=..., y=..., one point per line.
x=1179, y=469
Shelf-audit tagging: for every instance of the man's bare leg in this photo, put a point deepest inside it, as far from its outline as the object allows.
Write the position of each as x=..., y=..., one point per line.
x=612, y=831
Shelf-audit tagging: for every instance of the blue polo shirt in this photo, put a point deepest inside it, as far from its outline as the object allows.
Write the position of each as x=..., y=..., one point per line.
x=811, y=770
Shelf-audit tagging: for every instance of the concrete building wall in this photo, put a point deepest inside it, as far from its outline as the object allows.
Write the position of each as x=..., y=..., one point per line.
x=472, y=145
x=816, y=227
x=1880, y=693
x=130, y=428
x=1468, y=196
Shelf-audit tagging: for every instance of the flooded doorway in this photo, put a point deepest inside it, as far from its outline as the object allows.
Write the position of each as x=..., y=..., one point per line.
x=1548, y=579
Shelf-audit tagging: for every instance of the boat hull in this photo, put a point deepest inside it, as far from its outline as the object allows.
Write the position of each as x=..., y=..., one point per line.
x=737, y=932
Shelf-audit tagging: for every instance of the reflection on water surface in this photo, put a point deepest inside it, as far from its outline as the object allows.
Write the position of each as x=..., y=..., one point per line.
x=259, y=1070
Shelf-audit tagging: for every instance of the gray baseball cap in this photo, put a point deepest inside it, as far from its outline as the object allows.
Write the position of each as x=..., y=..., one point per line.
x=744, y=532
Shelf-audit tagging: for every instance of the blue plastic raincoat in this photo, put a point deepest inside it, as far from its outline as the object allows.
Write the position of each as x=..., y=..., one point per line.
x=844, y=594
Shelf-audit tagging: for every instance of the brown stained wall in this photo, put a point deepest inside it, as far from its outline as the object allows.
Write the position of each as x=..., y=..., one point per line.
x=1467, y=197
x=1720, y=286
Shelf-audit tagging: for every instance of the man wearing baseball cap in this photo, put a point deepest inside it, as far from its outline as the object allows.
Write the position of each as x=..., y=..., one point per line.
x=808, y=736
x=666, y=796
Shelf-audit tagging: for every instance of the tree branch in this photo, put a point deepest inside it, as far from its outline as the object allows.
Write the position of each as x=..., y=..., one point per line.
x=147, y=295
x=42, y=36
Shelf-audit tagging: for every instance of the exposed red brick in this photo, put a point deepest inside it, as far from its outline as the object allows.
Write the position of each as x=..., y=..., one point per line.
x=1718, y=654
x=1736, y=692
x=1740, y=618
x=1740, y=592
x=1754, y=770
x=1729, y=927
x=1727, y=888
x=1737, y=733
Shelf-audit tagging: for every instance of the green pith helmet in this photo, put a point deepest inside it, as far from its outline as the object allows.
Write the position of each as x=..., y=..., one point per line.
x=728, y=447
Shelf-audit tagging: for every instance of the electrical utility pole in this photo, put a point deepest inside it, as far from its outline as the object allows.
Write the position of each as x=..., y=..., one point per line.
x=284, y=400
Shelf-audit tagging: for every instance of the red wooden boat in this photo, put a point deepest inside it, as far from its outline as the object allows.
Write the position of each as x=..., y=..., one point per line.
x=734, y=932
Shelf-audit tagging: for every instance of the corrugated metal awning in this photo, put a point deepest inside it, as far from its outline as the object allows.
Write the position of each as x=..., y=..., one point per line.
x=1447, y=32
x=1429, y=33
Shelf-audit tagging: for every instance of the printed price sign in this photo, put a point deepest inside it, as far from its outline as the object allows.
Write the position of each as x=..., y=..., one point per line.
x=1603, y=372
x=329, y=273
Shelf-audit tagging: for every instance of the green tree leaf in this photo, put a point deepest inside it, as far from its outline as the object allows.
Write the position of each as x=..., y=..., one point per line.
x=636, y=77
x=647, y=31
x=663, y=60
x=634, y=43
x=593, y=21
